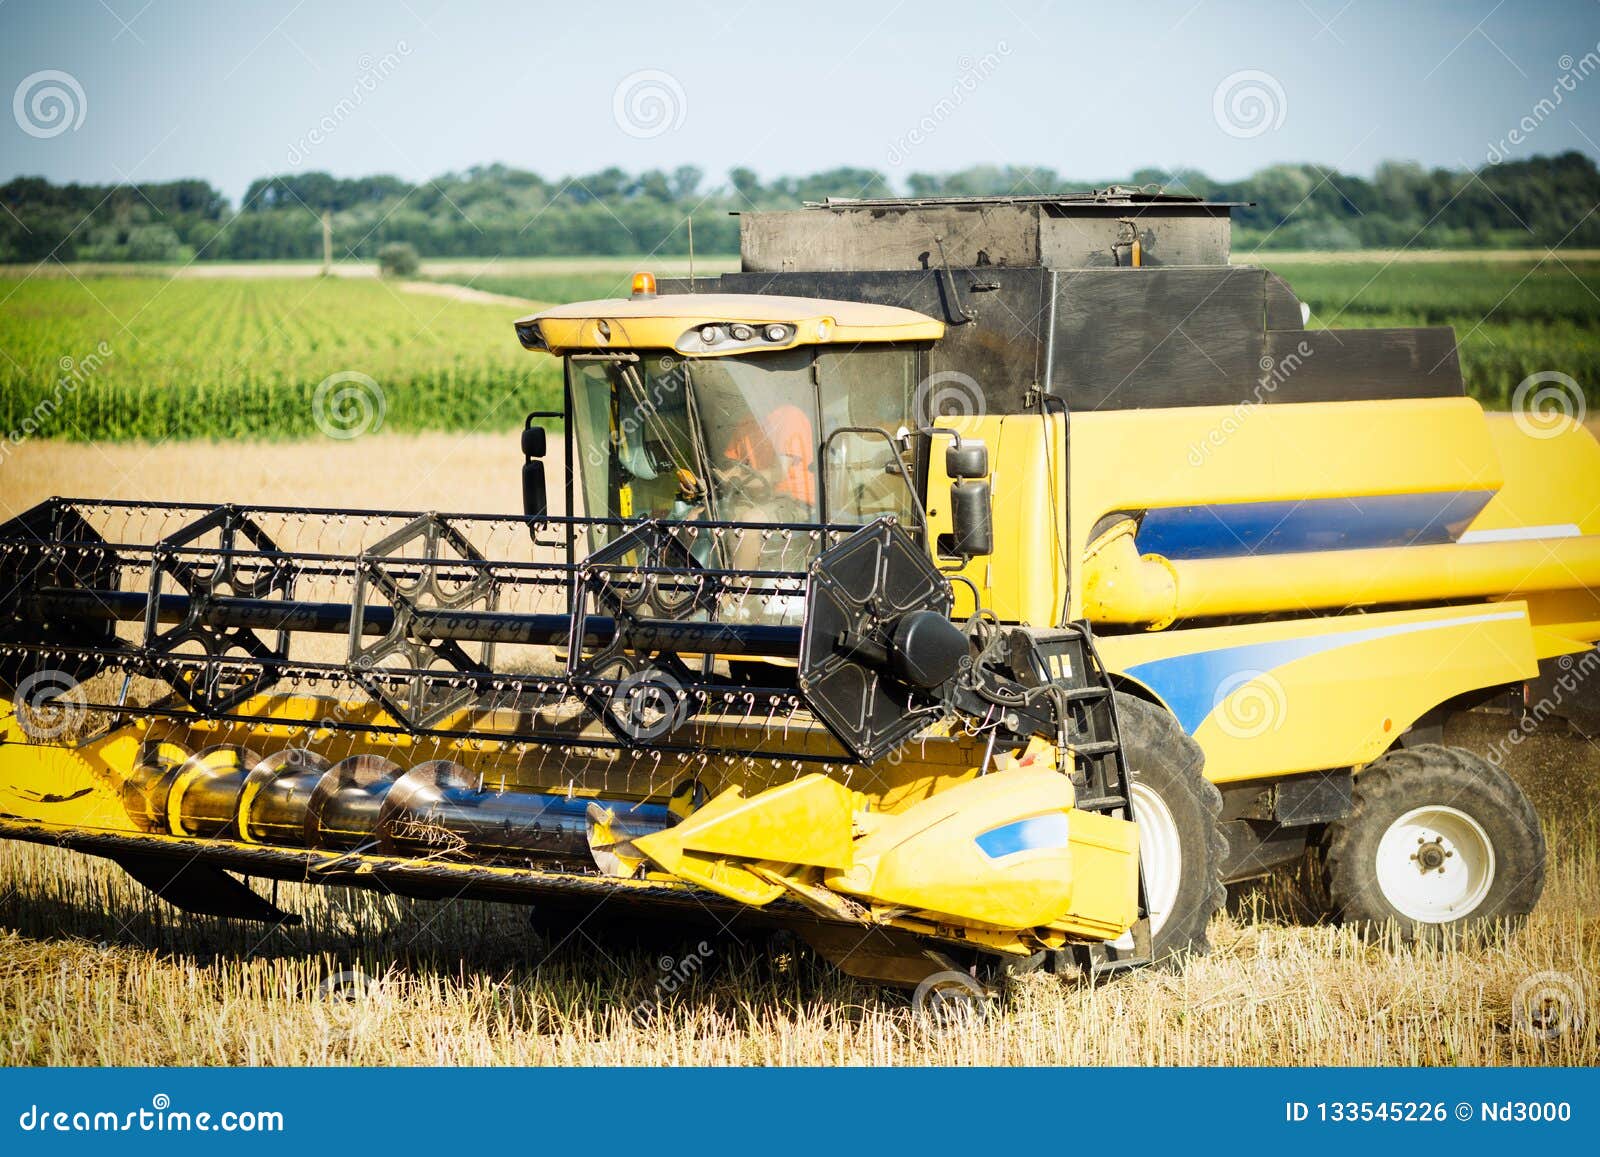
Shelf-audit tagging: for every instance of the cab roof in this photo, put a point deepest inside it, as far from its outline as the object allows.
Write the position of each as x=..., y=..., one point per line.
x=685, y=321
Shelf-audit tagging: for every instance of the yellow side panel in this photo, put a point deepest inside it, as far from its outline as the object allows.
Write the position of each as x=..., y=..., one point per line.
x=995, y=851
x=1024, y=580
x=1565, y=622
x=1552, y=478
x=804, y=822
x=1272, y=698
x=1105, y=886
x=73, y=787
x=1552, y=487
x=1137, y=458
x=1134, y=459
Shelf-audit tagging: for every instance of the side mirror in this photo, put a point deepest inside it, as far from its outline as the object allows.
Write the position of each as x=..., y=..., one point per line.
x=971, y=519
x=966, y=462
x=535, y=493
x=968, y=458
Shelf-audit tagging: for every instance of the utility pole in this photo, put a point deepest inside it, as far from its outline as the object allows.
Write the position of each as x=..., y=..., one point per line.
x=327, y=244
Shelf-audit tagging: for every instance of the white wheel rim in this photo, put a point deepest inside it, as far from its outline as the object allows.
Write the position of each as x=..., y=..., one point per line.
x=1160, y=852
x=1435, y=864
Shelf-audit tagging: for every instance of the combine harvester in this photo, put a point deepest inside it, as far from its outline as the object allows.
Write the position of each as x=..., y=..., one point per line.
x=915, y=563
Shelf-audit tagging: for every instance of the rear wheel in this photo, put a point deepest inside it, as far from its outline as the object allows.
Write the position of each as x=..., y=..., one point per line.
x=1438, y=839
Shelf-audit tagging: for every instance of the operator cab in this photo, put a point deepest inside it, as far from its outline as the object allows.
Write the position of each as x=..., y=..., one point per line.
x=786, y=412
x=795, y=437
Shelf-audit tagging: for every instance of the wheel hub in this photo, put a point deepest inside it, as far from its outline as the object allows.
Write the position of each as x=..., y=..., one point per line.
x=1435, y=864
x=1431, y=854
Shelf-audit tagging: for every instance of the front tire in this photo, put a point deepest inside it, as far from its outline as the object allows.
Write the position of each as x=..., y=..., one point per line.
x=1181, y=847
x=1438, y=839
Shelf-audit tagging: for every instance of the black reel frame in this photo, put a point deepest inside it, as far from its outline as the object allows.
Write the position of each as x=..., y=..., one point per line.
x=643, y=622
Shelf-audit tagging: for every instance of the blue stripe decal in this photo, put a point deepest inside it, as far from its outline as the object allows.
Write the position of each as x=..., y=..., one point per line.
x=1046, y=831
x=1226, y=530
x=1192, y=686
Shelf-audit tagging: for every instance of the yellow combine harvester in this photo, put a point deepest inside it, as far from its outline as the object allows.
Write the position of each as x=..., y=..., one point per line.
x=898, y=577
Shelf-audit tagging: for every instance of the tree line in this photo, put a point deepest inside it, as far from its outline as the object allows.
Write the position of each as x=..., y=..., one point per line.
x=496, y=210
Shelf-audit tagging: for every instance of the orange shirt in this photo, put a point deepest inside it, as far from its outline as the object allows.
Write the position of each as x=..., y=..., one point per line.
x=786, y=431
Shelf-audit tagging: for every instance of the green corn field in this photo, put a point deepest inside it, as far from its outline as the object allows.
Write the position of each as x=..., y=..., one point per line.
x=113, y=357
x=1512, y=318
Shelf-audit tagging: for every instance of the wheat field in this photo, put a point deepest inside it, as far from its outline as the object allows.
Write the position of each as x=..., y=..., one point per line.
x=94, y=971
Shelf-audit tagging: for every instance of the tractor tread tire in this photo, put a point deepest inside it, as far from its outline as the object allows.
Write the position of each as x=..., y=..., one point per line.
x=1408, y=777
x=1154, y=746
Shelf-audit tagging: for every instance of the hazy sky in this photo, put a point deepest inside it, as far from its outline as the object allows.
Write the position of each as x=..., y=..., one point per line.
x=158, y=89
